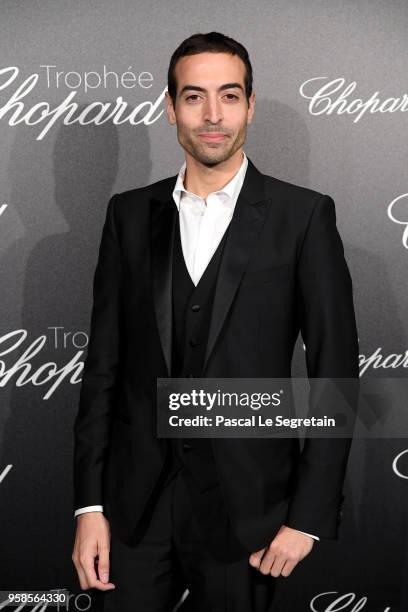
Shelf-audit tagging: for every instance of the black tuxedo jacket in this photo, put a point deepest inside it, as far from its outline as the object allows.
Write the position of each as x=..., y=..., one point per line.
x=282, y=272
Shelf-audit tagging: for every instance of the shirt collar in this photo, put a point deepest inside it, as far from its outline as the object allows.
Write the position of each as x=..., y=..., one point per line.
x=231, y=189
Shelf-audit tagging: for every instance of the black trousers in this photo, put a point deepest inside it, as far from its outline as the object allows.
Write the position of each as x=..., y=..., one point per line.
x=172, y=557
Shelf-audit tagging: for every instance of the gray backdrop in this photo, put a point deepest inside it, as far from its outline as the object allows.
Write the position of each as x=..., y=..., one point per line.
x=55, y=182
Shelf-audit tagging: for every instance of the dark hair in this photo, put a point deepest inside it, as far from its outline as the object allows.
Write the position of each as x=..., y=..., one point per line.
x=213, y=42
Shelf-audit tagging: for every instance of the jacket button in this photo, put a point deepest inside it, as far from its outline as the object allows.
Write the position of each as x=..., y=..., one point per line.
x=190, y=375
x=186, y=446
x=195, y=307
x=193, y=342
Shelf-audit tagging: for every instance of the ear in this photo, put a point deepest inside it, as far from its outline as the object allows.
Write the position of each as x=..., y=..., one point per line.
x=171, y=115
x=251, y=108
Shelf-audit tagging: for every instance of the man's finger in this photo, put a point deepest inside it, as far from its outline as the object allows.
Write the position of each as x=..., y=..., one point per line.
x=288, y=568
x=80, y=572
x=92, y=578
x=277, y=566
x=87, y=564
x=255, y=558
x=103, y=564
x=269, y=559
x=82, y=578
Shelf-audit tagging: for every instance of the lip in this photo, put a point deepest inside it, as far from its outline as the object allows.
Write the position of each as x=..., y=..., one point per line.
x=211, y=137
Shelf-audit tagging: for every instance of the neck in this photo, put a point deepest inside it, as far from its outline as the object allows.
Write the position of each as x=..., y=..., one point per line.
x=202, y=180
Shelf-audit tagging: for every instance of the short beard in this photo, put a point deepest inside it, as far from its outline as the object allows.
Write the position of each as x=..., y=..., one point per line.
x=209, y=161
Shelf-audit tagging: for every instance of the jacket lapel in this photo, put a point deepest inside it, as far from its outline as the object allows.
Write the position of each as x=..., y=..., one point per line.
x=163, y=224
x=245, y=226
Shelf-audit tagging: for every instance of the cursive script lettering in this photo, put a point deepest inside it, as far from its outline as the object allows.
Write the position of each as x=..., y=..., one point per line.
x=343, y=602
x=95, y=113
x=23, y=370
x=334, y=97
x=390, y=214
x=395, y=464
x=377, y=360
x=5, y=472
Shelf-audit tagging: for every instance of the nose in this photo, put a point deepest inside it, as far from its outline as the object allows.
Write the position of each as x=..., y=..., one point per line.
x=212, y=110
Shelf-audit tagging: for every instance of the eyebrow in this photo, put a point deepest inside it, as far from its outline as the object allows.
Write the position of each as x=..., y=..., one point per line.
x=221, y=88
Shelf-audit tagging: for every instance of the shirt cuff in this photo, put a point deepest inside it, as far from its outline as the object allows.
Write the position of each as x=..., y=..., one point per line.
x=309, y=534
x=88, y=509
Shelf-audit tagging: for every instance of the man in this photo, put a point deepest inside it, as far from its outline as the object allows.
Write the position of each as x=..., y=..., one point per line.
x=212, y=273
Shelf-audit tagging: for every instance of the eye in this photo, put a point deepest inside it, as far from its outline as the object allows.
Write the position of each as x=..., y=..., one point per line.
x=231, y=97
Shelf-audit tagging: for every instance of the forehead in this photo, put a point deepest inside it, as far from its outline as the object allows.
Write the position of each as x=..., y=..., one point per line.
x=209, y=69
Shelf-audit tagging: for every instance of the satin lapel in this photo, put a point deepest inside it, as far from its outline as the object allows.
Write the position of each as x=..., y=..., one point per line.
x=245, y=226
x=164, y=217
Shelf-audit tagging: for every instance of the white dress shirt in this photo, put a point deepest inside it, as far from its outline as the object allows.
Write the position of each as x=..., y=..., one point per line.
x=202, y=226
x=204, y=222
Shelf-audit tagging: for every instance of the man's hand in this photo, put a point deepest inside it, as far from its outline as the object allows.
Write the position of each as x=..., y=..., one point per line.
x=288, y=547
x=92, y=539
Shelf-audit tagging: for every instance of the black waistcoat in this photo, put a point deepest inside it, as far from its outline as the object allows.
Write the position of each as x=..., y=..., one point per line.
x=191, y=318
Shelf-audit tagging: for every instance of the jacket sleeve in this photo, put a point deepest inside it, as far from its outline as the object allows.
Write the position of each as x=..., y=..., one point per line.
x=101, y=370
x=328, y=328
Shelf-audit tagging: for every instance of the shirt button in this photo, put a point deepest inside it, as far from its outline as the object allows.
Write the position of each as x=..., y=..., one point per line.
x=195, y=307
